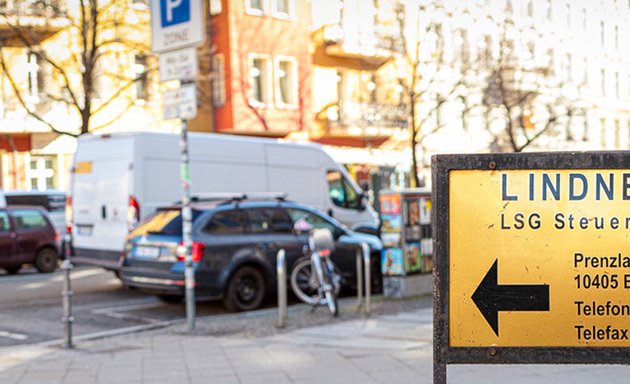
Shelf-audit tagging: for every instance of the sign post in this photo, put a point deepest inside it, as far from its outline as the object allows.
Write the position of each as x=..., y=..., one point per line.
x=177, y=28
x=532, y=259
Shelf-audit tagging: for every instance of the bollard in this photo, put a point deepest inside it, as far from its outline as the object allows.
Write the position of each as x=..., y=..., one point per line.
x=359, y=277
x=67, y=319
x=368, y=279
x=281, y=269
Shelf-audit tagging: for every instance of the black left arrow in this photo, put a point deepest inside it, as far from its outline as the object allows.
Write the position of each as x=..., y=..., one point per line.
x=490, y=297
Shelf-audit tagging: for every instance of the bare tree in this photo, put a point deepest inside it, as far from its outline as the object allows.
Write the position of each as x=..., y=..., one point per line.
x=431, y=80
x=88, y=60
x=526, y=95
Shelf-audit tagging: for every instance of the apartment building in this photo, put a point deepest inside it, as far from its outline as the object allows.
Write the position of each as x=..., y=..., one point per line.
x=260, y=68
x=43, y=86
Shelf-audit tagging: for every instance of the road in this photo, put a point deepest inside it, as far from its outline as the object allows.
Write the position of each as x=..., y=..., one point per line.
x=31, y=306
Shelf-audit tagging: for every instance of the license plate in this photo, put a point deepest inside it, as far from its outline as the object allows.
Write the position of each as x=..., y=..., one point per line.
x=147, y=252
x=84, y=230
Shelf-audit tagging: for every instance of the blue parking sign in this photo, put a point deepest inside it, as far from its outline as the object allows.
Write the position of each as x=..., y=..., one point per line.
x=174, y=12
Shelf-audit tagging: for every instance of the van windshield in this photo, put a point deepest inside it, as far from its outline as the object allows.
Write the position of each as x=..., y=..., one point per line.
x=164, y=222
x=341, y=191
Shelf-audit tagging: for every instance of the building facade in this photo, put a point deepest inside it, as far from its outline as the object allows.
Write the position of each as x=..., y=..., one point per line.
x=368, y=79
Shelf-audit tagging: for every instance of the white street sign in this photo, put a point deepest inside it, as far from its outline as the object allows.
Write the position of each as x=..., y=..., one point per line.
x=179, y=65
x=176, y=24
x=180, y=103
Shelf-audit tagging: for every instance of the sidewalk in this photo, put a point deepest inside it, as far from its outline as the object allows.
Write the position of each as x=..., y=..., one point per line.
x=384, y=349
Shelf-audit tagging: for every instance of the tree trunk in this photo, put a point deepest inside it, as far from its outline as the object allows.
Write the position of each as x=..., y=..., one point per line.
x=415, y=181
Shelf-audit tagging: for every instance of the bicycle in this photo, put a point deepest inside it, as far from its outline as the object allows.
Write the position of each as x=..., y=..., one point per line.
x=317, y=280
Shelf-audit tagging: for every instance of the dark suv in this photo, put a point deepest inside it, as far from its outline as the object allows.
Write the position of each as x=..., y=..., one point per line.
x=27, y=236
x=234, y=250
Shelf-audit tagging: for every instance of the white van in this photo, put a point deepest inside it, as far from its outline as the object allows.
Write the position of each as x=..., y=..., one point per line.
x=119, y=179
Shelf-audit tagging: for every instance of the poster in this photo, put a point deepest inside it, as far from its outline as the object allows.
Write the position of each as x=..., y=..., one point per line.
x=413, y=259
x=392, y=262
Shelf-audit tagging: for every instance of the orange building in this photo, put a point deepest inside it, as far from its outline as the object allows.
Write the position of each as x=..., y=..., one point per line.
x=260, y=66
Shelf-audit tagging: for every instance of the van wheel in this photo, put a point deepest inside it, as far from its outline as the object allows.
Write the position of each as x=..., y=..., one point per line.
x=246, y=290
x=46, y=260
x=13, y=270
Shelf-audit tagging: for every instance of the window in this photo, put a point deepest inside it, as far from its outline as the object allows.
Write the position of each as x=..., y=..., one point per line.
x=226, y=223
x=140, y=76
x=530, y=8
x=42, y=173
x=341, y=191
x=315, y=221
x=616, y=37
x=487, y=54
x=602, y=75
x=258, y=79
x=269, y=220
x=584, y=19
x=215, y=7
x=568, y=14
x=283, y=9
x=5, y=224
x=617, y=134
x=255, y=7
x=28, y=219
x=602, y=33
x=569, y=67
x=164, y=222
x=218, y=80
x=34, y=75
x=617, y=85
x=602, y=135
x=463, y=46
x=286, y=84
x=549, y=10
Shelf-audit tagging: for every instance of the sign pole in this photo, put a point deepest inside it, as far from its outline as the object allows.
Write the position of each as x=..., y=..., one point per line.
x=189, y=273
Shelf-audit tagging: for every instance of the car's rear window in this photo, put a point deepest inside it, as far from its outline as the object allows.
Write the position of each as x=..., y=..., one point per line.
x=28, y=219
x=164, y=222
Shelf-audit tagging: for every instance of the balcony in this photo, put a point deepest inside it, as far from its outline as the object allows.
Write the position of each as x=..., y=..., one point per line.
x=363, y=50
x=361, y=124
x=25, y=22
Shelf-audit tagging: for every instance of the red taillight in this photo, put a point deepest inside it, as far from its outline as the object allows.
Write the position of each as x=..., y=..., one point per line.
x=197, y=249
x=133, y=213
x=57, y=235
x=69, y=213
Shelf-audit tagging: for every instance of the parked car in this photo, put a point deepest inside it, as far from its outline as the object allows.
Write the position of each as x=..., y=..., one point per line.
x=27, y=236
x=54, y=202
x=234, y=250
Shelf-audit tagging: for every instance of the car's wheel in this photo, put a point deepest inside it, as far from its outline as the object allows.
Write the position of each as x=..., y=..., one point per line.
x=171, y=299
x=46, y=260
x=13, y=269
x=246, y=290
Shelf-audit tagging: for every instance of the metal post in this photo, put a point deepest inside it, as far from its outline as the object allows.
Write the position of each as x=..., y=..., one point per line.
x=359, y=277
x=281, y=268
x=368, y=278
x=189, y=272
x=67, y=318
x=439, y=372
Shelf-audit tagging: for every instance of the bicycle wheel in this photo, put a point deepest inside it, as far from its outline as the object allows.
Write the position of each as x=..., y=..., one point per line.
x=305, y=284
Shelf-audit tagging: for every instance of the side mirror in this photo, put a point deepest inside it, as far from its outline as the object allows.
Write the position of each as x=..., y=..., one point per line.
x=363, y=201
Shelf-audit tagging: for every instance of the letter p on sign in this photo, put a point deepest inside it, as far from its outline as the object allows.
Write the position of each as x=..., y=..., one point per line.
x=173, y=12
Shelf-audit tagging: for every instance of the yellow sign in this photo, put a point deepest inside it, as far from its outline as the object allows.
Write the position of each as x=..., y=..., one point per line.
x=539, y=258
x=83, y=167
